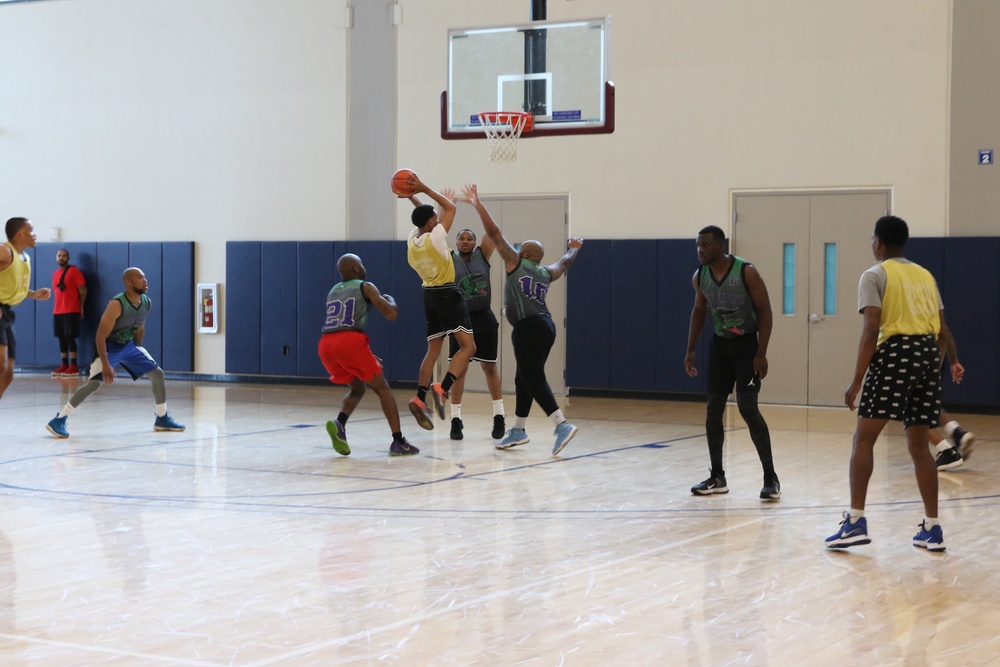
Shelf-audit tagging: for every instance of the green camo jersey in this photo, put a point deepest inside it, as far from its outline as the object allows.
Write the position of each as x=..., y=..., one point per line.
x=525, y=291
x=729, y=300
x=131, y=319
x=346, y=307
x=473, y=278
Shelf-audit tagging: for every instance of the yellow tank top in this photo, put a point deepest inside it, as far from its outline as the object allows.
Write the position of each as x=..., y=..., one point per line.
x=430, y=257
x=910, y=305
x=14, y=280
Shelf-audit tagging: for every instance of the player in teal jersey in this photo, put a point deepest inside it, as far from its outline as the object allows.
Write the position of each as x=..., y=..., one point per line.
x=533, y=330
x=119, y=343
x=347, y=356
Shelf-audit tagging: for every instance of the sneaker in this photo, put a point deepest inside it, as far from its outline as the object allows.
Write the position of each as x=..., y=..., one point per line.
x=948, y=459
x=422, y=413
x=440, y=398
x=60, y=370
x=515, y=436
x=402, y=448
x=57, y=426
x=456, y=428
x=850, y=534
x=714, y=484
x=167, y=423
x=931, y=538
x=963, y=441
x=498, y=427
x=72, y=370
x=338, y=437
x=564, y=433
x=771, y=490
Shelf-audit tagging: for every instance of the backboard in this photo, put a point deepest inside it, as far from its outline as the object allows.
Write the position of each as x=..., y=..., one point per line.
x=556, y=70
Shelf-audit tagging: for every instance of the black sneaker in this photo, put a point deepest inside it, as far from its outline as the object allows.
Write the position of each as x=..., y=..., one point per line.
x=948, y=459
x=963, y=442
x=771, y=490
x=456, y=428
x=499, y=428
x=402, y=448
x=714, y=484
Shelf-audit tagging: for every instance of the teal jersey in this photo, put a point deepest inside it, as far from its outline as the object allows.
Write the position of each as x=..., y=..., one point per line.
x=131, y=319
x=473, y=278
x=525, y=291
x=729, y=300
x=346, y=307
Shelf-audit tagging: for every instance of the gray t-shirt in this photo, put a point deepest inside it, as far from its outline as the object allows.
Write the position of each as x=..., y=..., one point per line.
x=871, y=287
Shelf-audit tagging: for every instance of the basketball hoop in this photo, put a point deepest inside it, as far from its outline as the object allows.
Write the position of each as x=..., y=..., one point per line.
x=503, y=129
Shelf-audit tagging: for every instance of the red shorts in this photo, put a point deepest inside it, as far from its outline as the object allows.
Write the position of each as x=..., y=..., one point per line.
x=347, y=356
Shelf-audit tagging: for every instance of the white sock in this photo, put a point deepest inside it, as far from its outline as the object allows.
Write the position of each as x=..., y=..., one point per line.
x=928, y=522
x=949, y=428
x=456, y=410
x=67, y=410
x=521, y=423
x=557, y=418
x=161, y=409
x=498, y=407
x=854, y=514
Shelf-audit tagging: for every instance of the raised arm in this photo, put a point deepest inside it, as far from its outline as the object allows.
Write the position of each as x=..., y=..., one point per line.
x=493, y=234
x=383, y=303
x=446, y=207
x=559, y=268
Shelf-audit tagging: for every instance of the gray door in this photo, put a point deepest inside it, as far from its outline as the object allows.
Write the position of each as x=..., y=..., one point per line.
x=522, y=218
x=810, y=249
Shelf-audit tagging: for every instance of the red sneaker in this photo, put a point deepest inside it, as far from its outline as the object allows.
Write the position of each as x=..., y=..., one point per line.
x=59, y=371
x=71, y=370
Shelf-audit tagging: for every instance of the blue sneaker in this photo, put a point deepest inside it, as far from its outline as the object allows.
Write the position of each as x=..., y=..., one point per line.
x=167, y=423
x=338, y=437
x=515, y=436
x=850, y=534
x=564, y=433
x=931, y=538
x=57, y=427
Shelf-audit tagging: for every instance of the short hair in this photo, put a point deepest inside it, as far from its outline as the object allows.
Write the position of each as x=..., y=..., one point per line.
x=14, y=225
x=421, y=214
x=716, y=232
x=466, y=230
x=892, y=231
x=63, y=250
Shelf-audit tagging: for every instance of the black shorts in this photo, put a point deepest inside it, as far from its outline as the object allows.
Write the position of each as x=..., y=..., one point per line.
x=730, y=361
x=446, y=311
x=903, y=382
x=485, y=331
x=7, y=331
x=66, y=325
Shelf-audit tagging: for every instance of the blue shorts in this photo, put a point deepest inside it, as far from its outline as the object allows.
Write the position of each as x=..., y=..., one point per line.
x=134, y=359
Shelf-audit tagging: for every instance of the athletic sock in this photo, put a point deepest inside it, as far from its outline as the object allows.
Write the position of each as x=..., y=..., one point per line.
x=498, y=407
x=422, y=393
x=342, y=418
x=456, y=410
x=557, y=417
x=449, y=380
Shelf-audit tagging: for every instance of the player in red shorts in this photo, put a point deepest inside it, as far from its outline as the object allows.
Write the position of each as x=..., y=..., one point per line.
x=346, y=353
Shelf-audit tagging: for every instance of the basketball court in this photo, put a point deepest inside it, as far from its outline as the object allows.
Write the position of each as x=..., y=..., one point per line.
x=246, y=540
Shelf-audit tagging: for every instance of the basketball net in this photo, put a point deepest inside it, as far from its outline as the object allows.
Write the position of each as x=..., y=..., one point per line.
x=503, y=129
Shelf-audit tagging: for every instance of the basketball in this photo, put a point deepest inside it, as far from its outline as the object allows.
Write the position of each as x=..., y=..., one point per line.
x=402, y=183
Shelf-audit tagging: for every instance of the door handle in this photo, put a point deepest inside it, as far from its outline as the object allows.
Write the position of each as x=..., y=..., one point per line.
x=814, y=318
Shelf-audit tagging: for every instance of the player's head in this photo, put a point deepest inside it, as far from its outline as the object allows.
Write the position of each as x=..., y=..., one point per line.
x=350, y=267
x=465, y=242
x=893, y=232
x=424, y=216
x=532, y=250
x=135, y=280
x=23, y=227
x=711, y=244
x=62, y=257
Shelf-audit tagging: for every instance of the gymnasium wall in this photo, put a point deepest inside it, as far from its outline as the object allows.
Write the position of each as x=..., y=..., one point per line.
x=169, y=268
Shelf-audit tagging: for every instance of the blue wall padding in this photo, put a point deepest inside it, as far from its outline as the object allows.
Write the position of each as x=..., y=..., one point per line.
x=634, y=340
x=178, y=306
x=317, y=273
x=279, y=309
x=588, y=317
x=243, y=307
x=408, y=339
x=677, y=261
x=377, y=259
x=148, y=257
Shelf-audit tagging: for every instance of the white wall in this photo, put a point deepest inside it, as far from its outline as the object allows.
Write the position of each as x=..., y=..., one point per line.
x=712, y=95
x=161, y=120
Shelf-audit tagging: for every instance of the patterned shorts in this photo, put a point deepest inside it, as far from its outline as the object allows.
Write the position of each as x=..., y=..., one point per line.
x=904, y=382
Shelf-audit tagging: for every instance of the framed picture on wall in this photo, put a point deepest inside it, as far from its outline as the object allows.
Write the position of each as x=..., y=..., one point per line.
x=207, y=297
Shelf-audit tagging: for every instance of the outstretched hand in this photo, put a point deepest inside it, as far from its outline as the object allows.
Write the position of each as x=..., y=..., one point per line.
x=575, y=243
x=470, y=193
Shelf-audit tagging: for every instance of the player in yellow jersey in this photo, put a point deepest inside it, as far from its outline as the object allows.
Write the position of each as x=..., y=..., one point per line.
x=899, y=362
x=444, y=304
